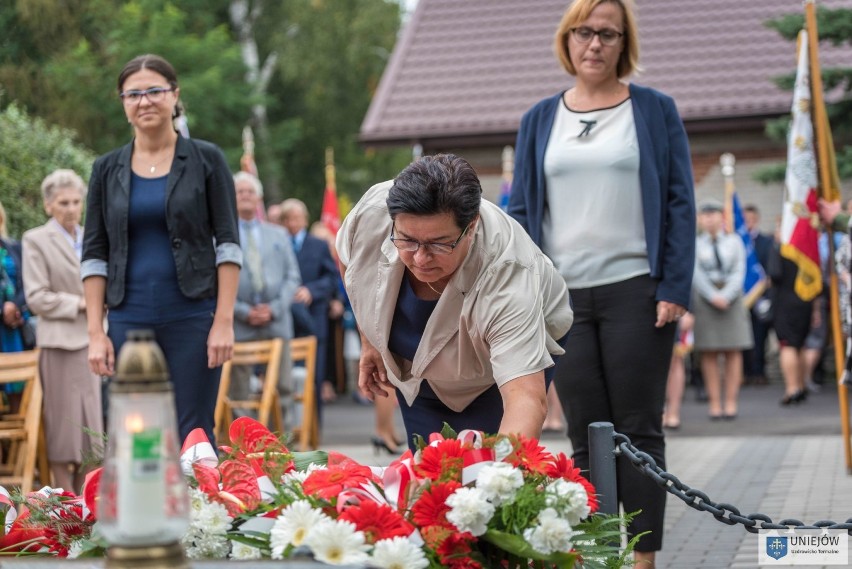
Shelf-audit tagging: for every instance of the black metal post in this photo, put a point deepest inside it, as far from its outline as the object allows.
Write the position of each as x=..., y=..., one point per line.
x=602, y=466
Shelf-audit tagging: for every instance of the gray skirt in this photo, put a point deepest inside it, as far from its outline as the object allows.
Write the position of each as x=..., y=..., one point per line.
x=72, y=402
x=721, y=330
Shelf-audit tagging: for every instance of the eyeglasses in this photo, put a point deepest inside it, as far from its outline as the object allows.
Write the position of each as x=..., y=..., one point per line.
x=411, y=246
x=154, y=94
x=586, y=35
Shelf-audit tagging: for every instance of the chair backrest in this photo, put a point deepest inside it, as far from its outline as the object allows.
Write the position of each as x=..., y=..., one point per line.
x=24, y=425
x=304, y=349
x=259, y=352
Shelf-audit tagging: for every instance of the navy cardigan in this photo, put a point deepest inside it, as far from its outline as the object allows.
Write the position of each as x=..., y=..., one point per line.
x=665, y=175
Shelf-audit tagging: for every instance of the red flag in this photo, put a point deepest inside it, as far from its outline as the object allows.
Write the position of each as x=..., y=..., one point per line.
x=330, y=215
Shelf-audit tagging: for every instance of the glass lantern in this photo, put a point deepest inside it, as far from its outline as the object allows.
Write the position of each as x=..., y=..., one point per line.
x=143, y=508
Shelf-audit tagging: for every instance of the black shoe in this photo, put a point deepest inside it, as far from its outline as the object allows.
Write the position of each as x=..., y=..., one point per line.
x=380, y=445
x=793, y=399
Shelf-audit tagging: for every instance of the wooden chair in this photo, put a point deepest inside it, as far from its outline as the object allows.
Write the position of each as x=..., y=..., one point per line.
x=268, y=406
x=305, y=350
x=23, y=429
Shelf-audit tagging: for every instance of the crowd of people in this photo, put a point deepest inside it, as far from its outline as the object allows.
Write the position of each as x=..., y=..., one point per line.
x=459, y=312
x=722, y=326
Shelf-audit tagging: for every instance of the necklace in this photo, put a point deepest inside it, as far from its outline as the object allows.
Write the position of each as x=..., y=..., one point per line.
x=436, y=291
x=154, y=166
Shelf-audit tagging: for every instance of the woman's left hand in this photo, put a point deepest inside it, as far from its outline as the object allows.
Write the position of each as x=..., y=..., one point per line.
x=220, y=343
x=668, y=312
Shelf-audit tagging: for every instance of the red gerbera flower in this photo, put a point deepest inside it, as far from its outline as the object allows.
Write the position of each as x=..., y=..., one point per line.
x=431, y=508
x=330, y=482
x=441, y=462
x=434, y=536
x=563, y=467
x=377, y=521
x=530, y=456
x=455, y=549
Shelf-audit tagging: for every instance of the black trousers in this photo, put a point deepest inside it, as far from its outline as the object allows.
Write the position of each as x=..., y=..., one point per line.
x=614, y=369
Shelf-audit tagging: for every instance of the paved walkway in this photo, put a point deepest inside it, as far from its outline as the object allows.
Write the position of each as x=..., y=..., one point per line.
x=782, y=462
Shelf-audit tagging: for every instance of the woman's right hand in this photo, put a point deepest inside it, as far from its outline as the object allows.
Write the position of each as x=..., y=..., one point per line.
x=101, y=354
x=372, y=375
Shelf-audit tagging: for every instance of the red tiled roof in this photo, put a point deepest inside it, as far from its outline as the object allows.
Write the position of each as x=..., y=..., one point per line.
x=472, y=67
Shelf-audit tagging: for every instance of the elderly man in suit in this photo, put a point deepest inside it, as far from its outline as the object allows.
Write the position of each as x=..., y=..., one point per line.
x=319, y=282
x=268, y=280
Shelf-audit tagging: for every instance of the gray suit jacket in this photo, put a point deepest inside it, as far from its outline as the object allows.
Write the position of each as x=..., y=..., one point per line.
x=281, y=278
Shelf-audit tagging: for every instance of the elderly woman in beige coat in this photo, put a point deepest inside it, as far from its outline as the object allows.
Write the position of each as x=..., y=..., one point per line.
x=54, y=291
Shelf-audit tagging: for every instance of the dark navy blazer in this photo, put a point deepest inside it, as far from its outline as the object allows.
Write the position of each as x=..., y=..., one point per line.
x=665, y=174
x=319, y=275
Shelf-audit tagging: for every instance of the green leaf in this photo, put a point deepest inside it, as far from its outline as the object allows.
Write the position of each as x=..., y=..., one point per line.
x=303, y=460
x=518, y=546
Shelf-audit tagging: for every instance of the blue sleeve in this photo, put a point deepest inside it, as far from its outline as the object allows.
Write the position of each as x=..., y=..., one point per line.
x=679, y=228
x=522, y=174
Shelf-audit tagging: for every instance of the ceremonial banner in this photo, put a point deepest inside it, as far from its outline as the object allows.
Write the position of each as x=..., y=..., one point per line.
x=799, y=219
x=755, y=278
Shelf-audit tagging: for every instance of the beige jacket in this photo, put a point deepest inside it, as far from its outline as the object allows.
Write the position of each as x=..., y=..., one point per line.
x=53, y=288
x=499, y=317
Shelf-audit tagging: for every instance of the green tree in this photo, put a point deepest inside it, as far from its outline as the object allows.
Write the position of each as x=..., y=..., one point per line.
x=59, y=60
x=72, y=80
x=332, y=55
x=835, y=27
x=30, y=150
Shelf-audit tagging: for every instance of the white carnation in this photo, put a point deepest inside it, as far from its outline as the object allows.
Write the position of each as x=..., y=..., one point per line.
x=551, y=534
x=293, y=526
x=202, y=545
x=75, y=549
x=570, y=500
x=213, y=519
x=242, y=551
x=500, y=482
x=470, y=510
x=337, y=542
x=398, y=553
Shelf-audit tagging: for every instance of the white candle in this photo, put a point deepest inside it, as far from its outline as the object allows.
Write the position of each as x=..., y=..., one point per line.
x=141, y=480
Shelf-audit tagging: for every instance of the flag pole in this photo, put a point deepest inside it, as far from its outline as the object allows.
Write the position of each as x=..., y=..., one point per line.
x=727, y=161
x=829, y=192
x=329, y=169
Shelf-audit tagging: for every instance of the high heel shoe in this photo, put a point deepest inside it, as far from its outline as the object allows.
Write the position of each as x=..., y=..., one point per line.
x=796, y=397
x=379, y=445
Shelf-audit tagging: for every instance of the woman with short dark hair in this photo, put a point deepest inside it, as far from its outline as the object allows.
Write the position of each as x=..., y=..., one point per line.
x=459, y=312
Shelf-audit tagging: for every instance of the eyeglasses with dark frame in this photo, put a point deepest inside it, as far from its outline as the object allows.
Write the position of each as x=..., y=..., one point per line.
x=154, y=94
x=411, y=245
x=584, y=34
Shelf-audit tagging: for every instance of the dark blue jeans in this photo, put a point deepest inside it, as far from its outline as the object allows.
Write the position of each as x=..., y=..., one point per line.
x=184, y=343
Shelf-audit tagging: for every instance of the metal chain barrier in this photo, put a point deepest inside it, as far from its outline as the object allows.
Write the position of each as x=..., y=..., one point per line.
x=725, y=513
